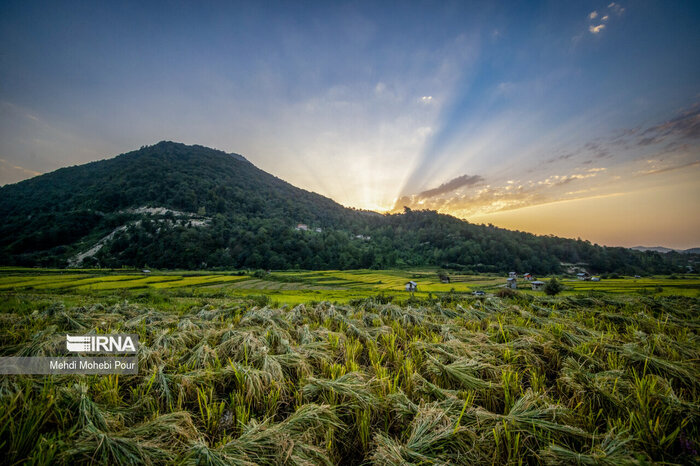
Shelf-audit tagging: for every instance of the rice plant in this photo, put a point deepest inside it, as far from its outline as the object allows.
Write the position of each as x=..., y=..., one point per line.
x=570, y=380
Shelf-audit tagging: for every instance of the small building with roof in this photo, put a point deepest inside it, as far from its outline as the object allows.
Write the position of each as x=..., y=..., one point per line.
x=537, y=285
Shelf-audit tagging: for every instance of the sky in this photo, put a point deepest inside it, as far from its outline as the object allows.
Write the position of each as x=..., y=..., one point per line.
x=578, y=119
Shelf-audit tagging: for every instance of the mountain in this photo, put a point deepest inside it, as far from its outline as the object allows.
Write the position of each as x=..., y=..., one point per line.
x=660, y=249
x=176, y=206
x=664, y=250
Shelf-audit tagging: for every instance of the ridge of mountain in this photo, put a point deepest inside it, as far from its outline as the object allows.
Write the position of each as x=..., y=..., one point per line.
x=664, y=250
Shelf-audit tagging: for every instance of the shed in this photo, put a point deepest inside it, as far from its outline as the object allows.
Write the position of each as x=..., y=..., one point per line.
x=537, y=285
x=411, y=286
x=512, y=283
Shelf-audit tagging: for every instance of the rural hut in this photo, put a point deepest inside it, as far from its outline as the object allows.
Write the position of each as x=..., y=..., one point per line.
x=411, y=286
x=511, y=283
x=537, y=285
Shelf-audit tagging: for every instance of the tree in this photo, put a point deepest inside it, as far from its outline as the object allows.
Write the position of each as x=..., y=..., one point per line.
x=553, y=287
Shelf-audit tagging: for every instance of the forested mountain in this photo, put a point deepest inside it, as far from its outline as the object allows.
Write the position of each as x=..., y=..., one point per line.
x=175, y=206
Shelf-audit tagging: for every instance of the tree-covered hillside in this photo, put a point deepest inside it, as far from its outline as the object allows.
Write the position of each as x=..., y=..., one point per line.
x=177, y=206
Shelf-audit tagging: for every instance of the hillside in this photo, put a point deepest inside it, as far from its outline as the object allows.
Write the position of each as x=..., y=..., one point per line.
x=175, y=206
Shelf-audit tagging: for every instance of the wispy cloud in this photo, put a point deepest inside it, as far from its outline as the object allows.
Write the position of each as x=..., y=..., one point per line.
x=598, y=23
x=12, y=173
x=470, y=195
x=685, y=126
x=453, y=184
x=616, y=8
x=668, y=168
x=676, y=137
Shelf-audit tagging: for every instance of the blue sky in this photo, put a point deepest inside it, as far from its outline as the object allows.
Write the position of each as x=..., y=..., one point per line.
x=495, y=112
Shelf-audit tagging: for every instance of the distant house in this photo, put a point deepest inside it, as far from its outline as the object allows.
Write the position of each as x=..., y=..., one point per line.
x=595, y=279
x=478, y=293
x=411, y=286
x=637, y=276
x=537, y=285
x=302, y=227
x=528, y=276
x=318, y=230
x=512, y=275
x=583, y=276
x=512, y=283
x=444, y=279
x=145, y=271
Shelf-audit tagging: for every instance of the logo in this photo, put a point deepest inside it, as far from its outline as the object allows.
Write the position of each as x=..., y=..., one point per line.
x=102, y=343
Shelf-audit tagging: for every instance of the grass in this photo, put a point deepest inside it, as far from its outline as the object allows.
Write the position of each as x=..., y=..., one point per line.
x=234, y=371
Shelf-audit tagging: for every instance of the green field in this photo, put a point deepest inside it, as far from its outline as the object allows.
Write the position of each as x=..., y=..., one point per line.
x=304, y=286
x=232, y=370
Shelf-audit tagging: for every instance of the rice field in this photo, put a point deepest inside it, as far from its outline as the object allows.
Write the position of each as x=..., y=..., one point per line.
x=581, y=379
x=295, y=287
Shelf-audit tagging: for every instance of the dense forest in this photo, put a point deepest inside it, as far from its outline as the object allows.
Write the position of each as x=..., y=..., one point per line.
x=175, y=206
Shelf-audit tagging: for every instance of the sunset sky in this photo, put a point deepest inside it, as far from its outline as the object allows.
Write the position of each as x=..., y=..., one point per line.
x=579, y=119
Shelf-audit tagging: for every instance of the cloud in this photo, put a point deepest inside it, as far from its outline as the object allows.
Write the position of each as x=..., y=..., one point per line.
x=564, y=156
x=685, y=126
x=616, y=8
x=655, y=171
x=505, y=88
x=476, y=198
x=426, y=99
x=680, y=134
x=455, y=183
x=560, y=180
x=595, y=17
x=11, y=173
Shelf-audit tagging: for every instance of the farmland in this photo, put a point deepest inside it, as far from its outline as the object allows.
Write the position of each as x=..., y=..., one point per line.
x=300, y=287
x=343, y=367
